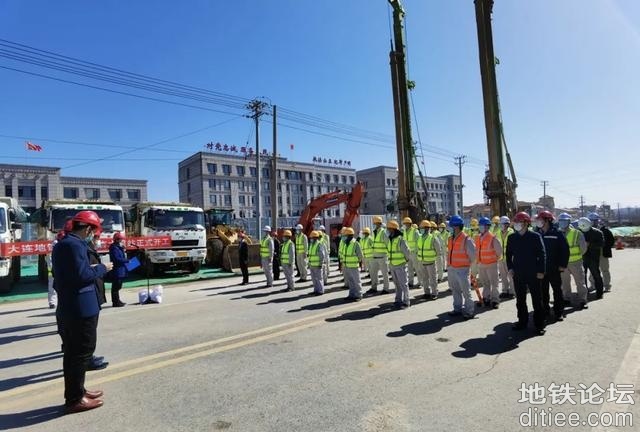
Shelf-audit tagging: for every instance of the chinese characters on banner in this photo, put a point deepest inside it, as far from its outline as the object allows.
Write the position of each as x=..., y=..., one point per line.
x=333, y=162
x=42, y=247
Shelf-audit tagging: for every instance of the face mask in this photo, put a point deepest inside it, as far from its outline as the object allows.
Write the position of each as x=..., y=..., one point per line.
x=343, y=238
x=540, y=224
x=518, y=226
x=423, y=231
x=451, y=230
x=388, y=233
x=482, y=229
x=90, y=237
x=505, y=227
x=563, y=225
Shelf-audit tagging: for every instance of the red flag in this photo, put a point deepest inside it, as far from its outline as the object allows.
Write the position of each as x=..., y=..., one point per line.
x=291, y=146
x=33, y=147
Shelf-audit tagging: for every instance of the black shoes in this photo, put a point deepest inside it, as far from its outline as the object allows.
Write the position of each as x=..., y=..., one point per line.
x=119, y=304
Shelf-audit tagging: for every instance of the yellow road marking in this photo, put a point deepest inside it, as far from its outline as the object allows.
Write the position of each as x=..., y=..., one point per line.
x=295, y=326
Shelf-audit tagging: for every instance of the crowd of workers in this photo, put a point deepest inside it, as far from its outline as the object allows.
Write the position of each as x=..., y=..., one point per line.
x=506, y=258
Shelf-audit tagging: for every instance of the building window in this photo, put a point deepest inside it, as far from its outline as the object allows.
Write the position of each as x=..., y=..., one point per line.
x=213, y=199
x=116, y=194
x=318, y=189
x=319, y=178
x=188, y=189
x=265, y=186
x=226, y=169
x=327, y=178
x=267, y=199
x=92, y=193
x=310, y=176
x=188, y=173
x=344, y=179
x=253, y=172
x=227, y=200
x=265, y=172
x=26, y=192
x=44, y=192
x=335, y=178
x=226, y=184
x=242, y=200
x=352, y=180
x=211, y=168
x=213, y=184
x=133, y=194
x=240, y=170
x=70, y=193
x=8, y=190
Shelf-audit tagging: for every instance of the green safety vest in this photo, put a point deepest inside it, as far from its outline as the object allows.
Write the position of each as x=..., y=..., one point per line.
x=325, y=239
x=444, y=236
x=574, y=245
x=300, y=244
x=503, y=237
x=366, y=243
x=427, y=248
x=284, y=252
x=350, y=258
x=378, y=243
x=314, y=255
x=410, y=238
x=396, y=257
x=264, y=247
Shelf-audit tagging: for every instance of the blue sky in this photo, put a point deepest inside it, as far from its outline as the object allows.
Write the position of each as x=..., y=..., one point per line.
x=568, y=81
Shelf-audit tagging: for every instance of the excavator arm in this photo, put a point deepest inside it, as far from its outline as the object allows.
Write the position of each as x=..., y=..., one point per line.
x=331, y=199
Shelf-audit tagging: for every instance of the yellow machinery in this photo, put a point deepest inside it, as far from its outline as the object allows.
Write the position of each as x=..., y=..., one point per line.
x=223, y=240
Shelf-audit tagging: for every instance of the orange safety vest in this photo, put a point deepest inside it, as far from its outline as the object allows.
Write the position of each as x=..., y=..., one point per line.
x=486, y=252
x=458, y=257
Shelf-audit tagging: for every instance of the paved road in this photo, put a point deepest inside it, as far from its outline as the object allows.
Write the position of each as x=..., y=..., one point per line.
x=218, y=356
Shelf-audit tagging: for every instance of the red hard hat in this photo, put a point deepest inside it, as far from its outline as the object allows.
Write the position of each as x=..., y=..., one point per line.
x=546, y=215
x=118, y=236
x=88, y=217
x=522, y=217
x=68, y=226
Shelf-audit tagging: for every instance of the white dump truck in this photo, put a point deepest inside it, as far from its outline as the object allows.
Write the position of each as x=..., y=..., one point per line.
x=11, y=218
x=53, y=214
x=184, y=223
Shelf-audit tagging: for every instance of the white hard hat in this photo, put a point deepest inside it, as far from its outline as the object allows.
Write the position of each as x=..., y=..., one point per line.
x=266, y=228
x=505, y=220
x=322, y=228
x=584, y=224
x=299, y=226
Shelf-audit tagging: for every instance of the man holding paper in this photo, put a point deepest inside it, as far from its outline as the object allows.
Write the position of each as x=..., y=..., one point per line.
x=120, y=267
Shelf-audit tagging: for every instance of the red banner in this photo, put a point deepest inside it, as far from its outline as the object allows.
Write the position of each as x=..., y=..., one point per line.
x=42, y=247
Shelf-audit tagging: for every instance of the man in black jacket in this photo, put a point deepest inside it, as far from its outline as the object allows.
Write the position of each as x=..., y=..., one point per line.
x=609, y=242
x=276, y=255
x=243, y=258
x=591, y=258
x=526, y=262
x=557, y=253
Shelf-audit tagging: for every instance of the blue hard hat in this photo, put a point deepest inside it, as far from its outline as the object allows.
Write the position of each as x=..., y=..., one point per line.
x=456, y=221
x=593, y=217
x=564, y=217
x=484, y=221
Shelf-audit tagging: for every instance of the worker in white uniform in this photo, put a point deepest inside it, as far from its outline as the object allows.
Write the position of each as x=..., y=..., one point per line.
x=266, y=255
x=378, y=263
x=399, y=255
x=461, y=252
x=488, y=254
x=508, y=291
x=429, y=249
x=352, y=259
x=577, y=248
x=302, y=245
x=316, y=257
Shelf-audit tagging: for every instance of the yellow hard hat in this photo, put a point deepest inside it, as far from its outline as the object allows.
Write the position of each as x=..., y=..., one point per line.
x=393, y=224
x=407, y=220
x=425, y=224
x=495, y=219
x=474, y=223
x=414, y=226
x=348, y=231
x=286, y=233
x=377, y=219
x=434, y=225
x=366, y=230
x=442, y=225
x=314, y=234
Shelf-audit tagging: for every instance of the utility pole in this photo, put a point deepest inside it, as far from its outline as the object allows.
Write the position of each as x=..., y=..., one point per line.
x=544, y=184
x=619, y=218
x=274, y=172
x=461, y=160
x=257, y=108
x=581, y=205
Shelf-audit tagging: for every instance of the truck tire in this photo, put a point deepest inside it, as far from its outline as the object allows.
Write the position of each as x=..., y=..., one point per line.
x=43, y=270
x=215, y=248
x=195, y=266
x=5, y=284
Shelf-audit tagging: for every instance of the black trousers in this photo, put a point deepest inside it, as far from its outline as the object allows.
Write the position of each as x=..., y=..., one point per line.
x=245, y=272
x=116, y=285
x=276, y=268
x=593, y=266
x=554, y=279
x=79, y=340
x=522, y=283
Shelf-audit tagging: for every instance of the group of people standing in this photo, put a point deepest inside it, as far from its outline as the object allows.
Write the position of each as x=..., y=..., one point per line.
x=506, y=258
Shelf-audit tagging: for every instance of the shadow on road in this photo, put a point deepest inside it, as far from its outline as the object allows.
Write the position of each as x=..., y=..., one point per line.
x=22, y=310
x=502, y=340
x=8, y=339
x=30, y=418
x=365, y=314
x=25, y=327
x=12, y=383
x=430, y=326
x=320, y=306
x=28, y=360
x=301, y=296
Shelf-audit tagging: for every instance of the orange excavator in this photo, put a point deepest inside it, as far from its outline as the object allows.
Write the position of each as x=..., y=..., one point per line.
x=331, y=199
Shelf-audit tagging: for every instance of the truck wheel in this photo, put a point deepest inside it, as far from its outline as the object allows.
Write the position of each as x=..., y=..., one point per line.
x=215, y=248
x=43, y=270
x=195, y=266
x=15, y=267
x=5, y=284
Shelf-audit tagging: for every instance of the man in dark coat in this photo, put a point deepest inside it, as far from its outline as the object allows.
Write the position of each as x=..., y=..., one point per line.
x=557, y=253
x=276, y=256
x=243, y=258
x=591, y=258
x=526, y=261
x=78, y=308
x=97, y=362
x=609, y=243
x=119, y=259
